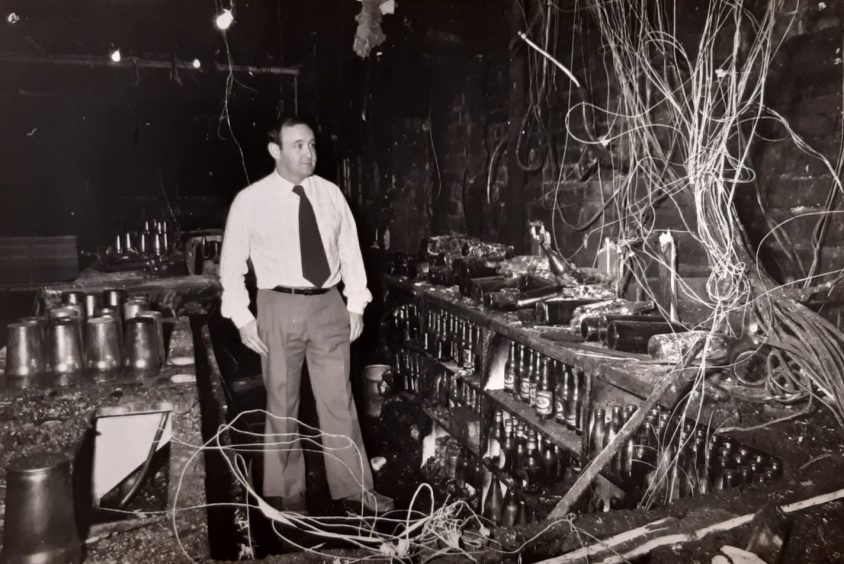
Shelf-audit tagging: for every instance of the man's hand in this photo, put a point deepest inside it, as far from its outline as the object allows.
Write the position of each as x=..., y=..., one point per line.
x=355, y=325
x=250, y=338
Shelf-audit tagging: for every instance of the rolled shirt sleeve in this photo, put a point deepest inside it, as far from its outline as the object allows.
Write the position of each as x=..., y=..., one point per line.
x=352, y=269
x=233, y=266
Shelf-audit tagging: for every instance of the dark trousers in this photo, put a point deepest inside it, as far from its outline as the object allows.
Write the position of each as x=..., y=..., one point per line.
x=316, y=328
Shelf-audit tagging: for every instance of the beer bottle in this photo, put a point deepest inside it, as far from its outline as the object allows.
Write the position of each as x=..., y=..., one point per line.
x=525, y=377
x=534, y=467
x=550, y=465
x=468, y=349
x=508, y=448
x=518, y=370
x=510, y=370
x=597, y=431
x=545, y=392
x=493, y=501
x=510, y=512
x=561, y=393
x=612, y=431
x=535, y=374
x=572, y=405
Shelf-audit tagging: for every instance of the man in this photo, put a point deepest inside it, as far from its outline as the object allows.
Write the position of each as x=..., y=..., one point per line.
x=297, y=229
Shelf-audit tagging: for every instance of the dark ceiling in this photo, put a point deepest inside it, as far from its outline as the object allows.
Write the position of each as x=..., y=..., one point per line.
x=264, y=32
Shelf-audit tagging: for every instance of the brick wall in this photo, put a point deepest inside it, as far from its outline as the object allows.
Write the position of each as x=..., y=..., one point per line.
x=468, y=119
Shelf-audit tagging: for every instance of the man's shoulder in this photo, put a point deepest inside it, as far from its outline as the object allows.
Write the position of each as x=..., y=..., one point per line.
x=253, y=191
x=323, y=183
x=335, y=194
x=257, y=186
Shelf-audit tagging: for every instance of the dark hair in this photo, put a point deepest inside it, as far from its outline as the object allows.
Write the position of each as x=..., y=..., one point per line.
x=274, y=134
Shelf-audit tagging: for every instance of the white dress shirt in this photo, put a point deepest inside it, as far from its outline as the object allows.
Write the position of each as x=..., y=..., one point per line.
x=263, y=225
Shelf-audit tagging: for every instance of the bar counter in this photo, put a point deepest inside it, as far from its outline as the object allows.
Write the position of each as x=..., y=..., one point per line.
x=59, y=419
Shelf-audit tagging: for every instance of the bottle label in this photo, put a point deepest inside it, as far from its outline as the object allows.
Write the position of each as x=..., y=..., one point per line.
x=468, y=358
x=509, y=380
x=544, y=403
x=524, y=390
x=560, y=410
x=532, y=393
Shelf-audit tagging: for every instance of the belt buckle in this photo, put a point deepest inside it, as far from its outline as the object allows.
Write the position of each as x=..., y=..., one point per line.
x=294, y=291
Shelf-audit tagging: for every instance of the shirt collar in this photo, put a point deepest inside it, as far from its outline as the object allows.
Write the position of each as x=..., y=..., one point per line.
x=284, y=183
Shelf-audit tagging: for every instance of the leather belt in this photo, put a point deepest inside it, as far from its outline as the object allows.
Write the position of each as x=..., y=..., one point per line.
x=302, y=291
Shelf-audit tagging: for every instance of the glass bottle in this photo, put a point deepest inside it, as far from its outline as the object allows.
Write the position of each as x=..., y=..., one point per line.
x=560, y=392
x=644, y=457
x=525, y=377
x=444, y=388
x=526, y=513
x=510, y=370
x=510, y=511
x=545, y=393
x=518, y=370
x=508, y=448
x=572, y=406
x=468, y=349
x=558, y=265
x=730, y=480
x=534, y=477
x=550, y=465
x=478, y=474
x=427, y=342
x=518, y=467
x=447, y=336
x=476, y=340
x=563, y=461
x=524, y=518
x=720, y=468
x=493, y=501
x=612, y=431
x=745, y=475
x=535, y=374
x=456, y=339
x=406, y=332
x=597, y=432
x=686, y=474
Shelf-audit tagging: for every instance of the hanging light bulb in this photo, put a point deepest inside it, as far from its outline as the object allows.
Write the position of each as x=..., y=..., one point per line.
x=224, y=20
x=196, y=63
x=115, y=55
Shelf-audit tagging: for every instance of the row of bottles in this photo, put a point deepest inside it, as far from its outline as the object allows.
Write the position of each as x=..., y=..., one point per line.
x=407, y=371
x=153, y=240
x=405, y=322
x=455, y=391
x=448, y=337
x=449, y=389
x=533, y=461
x=649, y=462
x=506, y=510
x=495, y=499
x=554, y=389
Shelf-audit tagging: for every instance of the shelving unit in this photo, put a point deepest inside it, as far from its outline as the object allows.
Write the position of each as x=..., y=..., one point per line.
x=608, y=378
x=543, y=502
x=561, y=436
x=633, y=373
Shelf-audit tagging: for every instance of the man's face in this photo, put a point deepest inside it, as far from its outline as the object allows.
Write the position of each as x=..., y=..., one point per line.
x=295, y=158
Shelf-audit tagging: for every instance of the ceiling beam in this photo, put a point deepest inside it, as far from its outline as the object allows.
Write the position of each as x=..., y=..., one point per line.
x=137, y=62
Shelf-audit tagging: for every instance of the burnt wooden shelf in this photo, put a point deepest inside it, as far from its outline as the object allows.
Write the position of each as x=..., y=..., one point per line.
x=540, y=502
x=634, y=373
x=561, y=436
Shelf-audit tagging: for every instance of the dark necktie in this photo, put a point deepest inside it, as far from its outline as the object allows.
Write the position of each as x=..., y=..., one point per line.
x=314, y=263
